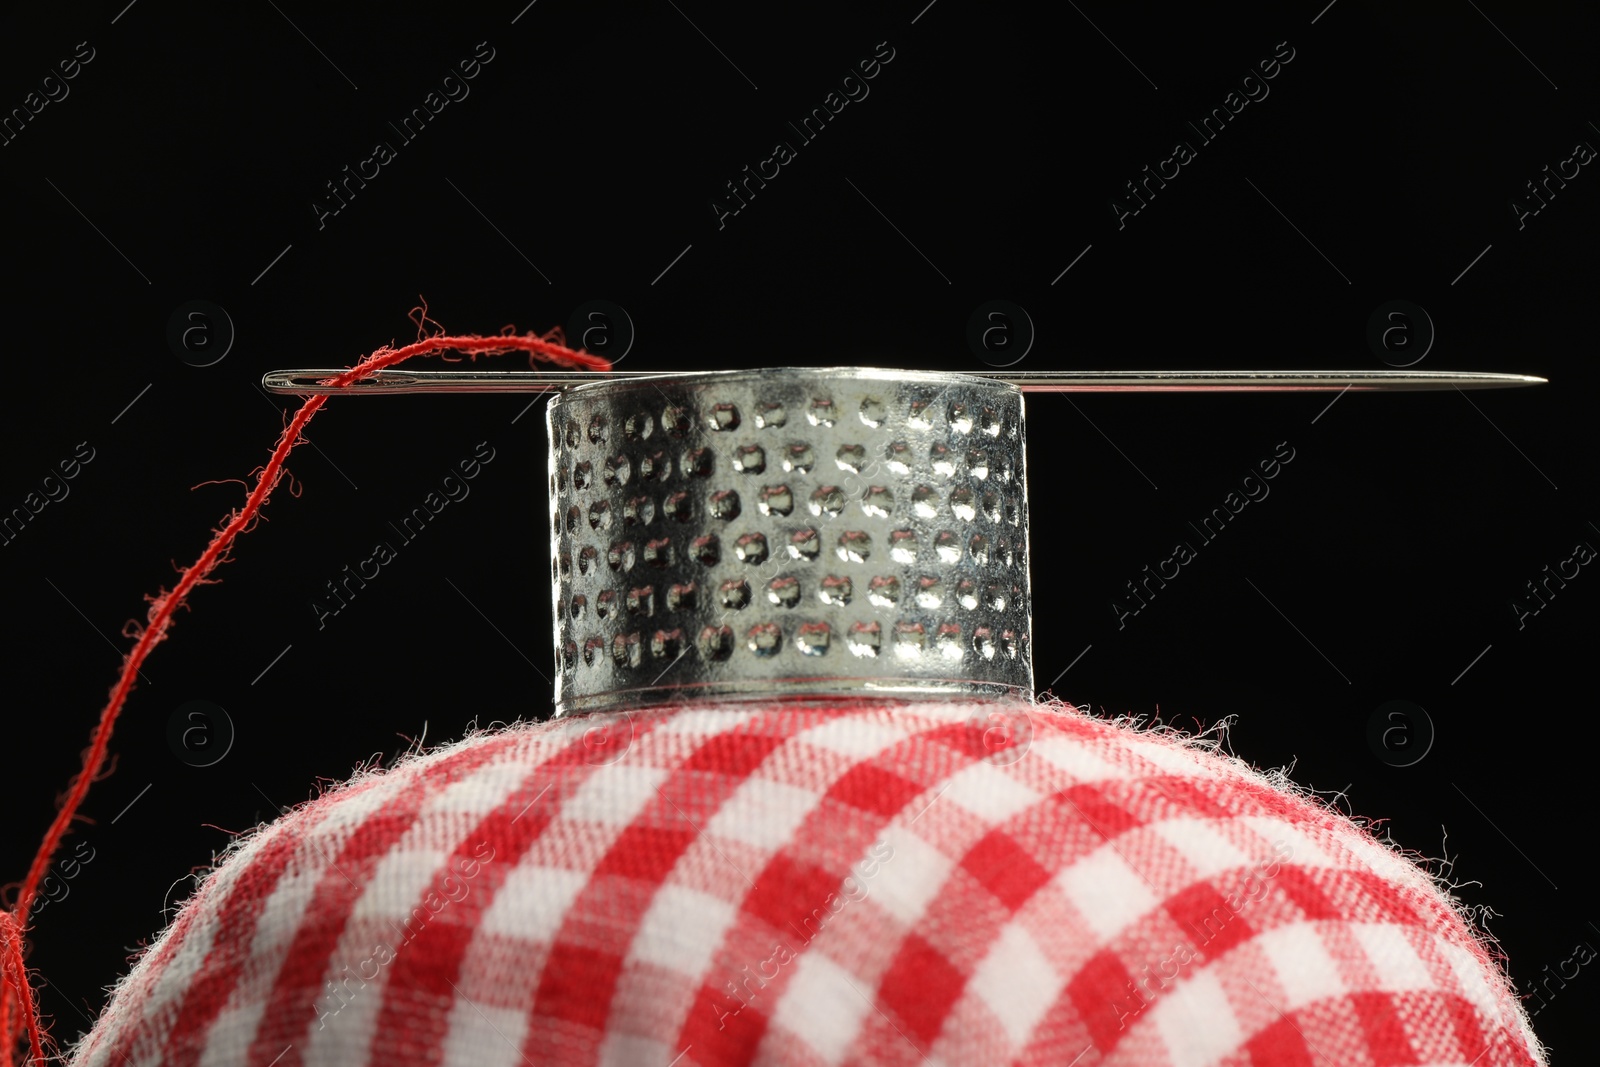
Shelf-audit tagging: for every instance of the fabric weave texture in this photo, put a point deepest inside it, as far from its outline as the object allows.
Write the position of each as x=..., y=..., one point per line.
x=813, y=883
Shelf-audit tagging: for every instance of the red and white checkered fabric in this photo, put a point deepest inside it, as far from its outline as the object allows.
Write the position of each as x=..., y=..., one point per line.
x=809, y=884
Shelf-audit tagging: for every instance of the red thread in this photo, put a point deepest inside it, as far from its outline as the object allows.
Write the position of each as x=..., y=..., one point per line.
x=18, y=1006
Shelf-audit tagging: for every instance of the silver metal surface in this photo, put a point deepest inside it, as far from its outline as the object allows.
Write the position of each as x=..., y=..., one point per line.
x=783, y=532
x=401, y=382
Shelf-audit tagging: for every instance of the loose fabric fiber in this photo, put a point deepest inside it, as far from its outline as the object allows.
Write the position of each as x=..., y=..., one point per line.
x=813, y=884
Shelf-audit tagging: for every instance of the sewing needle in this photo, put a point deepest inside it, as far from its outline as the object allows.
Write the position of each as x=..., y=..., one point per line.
x=396, y=382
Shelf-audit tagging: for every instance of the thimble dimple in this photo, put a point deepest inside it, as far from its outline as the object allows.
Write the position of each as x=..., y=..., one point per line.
x=810, y=532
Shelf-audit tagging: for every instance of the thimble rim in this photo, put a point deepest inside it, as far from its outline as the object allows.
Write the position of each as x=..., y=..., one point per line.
x=821, y=689
x=836, y=373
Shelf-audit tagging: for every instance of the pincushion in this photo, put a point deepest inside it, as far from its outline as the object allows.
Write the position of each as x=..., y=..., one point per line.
x=815, y=883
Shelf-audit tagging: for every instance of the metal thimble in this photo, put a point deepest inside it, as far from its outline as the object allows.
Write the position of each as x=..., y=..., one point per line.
x=814, y=532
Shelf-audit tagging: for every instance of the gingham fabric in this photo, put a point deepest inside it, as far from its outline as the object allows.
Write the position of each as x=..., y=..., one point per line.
x=810, y=884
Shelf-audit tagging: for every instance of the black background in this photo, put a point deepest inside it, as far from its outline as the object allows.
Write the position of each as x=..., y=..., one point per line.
x=191, y=148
